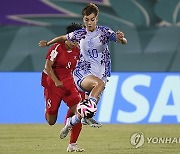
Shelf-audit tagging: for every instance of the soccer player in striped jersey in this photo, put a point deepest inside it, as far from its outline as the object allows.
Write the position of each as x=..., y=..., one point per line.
x=94, y=66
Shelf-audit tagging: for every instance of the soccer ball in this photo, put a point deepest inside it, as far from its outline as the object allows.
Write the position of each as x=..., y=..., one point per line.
x=87, y=108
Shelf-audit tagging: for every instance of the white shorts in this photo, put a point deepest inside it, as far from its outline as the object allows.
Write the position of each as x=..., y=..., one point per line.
x=79, y=76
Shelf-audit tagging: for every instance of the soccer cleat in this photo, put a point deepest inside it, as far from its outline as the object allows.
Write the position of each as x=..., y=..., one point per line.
x=73, y=147
x=67, y=128
x=91, y=122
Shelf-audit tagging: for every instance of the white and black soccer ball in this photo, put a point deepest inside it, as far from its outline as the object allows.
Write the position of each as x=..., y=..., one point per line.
x=87, y=108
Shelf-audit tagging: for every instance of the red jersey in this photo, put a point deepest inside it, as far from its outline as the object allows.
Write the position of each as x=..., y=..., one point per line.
x=63, y=66
x=64, y=60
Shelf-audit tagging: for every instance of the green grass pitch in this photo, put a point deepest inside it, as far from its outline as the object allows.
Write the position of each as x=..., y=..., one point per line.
x=110, y=139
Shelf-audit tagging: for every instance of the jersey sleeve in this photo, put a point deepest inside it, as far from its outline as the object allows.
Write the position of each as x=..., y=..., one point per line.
x=52, y=52
x=77, y=35
x=107, y=34
x=112, y=35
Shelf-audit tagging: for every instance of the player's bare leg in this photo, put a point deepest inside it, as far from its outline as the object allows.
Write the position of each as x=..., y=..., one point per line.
x=51, y=119
x=95, y=86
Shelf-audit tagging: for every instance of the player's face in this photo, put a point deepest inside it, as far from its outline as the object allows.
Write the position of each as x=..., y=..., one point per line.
x=71, y=44
x=90, y=22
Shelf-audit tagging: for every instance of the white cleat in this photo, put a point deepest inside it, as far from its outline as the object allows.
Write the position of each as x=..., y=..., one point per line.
x=91, y=122
x=73, y=147
x=67, y=128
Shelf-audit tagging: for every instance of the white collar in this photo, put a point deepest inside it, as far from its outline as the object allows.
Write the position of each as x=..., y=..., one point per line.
x=69, y=51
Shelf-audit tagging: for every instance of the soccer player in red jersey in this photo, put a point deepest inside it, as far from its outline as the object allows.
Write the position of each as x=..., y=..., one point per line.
x=58, y=84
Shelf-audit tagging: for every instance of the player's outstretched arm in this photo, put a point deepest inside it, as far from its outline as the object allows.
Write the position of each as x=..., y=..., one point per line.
x=44, y=43
x=120, y=37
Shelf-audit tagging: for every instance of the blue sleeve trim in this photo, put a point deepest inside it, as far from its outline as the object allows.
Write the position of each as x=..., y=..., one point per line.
x=112, y=37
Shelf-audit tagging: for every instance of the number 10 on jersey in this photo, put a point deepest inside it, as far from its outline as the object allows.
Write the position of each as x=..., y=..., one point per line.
x=93, y=53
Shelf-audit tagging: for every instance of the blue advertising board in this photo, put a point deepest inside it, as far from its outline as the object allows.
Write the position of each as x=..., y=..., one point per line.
x=141, y=98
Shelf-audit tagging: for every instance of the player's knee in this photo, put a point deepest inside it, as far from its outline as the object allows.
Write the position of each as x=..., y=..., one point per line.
x=51, y=119
x=50, y=122
x=100, y=84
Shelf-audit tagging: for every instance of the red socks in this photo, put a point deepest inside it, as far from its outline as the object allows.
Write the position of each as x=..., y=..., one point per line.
x=75, y=130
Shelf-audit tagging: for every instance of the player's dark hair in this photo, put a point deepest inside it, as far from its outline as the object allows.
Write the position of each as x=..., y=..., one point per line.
x=90, y=8
x=73, y=26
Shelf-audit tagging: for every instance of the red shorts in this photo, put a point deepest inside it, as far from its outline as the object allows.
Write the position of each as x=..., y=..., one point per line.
x=54, y=95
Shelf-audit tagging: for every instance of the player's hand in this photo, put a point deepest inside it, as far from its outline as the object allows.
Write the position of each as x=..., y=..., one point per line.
x=42, y=43
x=58, y=84
x=124, y=41
x=120, y=37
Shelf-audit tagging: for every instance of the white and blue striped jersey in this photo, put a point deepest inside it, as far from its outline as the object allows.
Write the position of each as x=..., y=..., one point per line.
x=94, y=52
